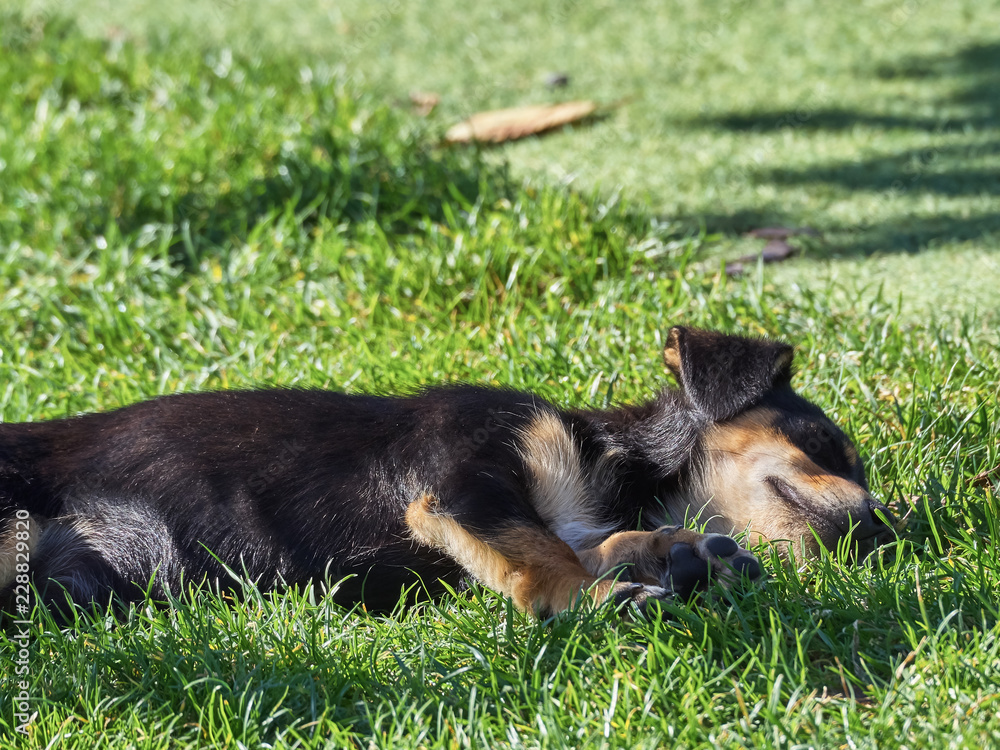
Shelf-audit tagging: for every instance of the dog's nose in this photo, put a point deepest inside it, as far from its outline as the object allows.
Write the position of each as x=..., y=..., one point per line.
x=874, y=520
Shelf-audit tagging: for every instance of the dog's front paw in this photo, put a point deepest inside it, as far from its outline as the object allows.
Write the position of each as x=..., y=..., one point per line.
x=691, y=560
x=671, y=562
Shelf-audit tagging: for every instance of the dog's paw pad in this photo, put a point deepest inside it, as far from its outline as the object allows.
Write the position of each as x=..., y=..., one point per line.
x=712, y=557
x=721, y=546
x=686, y=571
x=730, y=562
x=746, y=566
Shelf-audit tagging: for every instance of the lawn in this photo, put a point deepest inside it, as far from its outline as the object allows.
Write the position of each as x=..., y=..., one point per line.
x=229, y=194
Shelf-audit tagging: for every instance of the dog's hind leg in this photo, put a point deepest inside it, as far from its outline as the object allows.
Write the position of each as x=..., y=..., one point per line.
x=539, y=571
x=678, y=559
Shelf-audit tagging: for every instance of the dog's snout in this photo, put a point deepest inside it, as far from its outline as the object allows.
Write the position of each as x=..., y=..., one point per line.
x=874, y=520
x=834, y=509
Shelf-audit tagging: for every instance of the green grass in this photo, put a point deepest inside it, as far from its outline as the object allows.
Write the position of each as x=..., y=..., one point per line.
x=182, y=211
x=876, y=124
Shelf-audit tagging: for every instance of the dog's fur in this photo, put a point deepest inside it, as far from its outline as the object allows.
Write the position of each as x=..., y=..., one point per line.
x=290, y=486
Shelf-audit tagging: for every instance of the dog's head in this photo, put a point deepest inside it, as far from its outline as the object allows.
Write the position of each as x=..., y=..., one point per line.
x=768, y=460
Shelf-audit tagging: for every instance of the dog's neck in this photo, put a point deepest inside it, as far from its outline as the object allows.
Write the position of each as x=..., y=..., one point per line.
x=656, y=438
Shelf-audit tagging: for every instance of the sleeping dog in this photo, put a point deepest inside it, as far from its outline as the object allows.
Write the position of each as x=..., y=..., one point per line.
x=539, y=503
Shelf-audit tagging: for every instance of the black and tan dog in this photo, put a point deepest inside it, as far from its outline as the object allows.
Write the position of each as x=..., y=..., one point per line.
x=539, y=503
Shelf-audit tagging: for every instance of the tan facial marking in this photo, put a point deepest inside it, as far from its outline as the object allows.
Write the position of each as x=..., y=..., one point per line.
x=742, y=458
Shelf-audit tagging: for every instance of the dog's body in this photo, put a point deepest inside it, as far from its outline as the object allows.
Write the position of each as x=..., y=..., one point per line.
x=290, y=486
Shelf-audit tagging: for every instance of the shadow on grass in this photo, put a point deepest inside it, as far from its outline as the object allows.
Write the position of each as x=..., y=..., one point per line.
x=952, y=170
x=397, y=192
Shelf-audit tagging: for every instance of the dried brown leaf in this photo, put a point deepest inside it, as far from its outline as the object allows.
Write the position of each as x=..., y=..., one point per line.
x=424, y=102
x=774, y=251
x=777, y=250
x=499, y=125
x=986, y=478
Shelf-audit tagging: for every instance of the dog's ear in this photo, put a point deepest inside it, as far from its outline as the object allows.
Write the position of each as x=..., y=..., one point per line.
x=723, y=375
